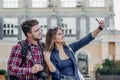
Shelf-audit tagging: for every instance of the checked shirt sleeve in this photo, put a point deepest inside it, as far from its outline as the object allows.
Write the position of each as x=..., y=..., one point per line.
x=14, y=62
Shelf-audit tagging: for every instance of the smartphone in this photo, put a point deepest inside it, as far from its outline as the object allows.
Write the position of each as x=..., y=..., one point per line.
x=97, y=19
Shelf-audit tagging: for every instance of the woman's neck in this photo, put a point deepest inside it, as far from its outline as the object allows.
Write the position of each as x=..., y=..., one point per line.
x=59, y=46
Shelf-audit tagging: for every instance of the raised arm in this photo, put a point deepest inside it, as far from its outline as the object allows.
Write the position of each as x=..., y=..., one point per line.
x=85, y=40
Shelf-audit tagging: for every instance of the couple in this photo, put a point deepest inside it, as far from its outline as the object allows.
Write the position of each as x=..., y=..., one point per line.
x=54, y=54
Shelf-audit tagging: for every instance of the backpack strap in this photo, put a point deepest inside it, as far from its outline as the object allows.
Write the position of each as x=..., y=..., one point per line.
x=24, y=50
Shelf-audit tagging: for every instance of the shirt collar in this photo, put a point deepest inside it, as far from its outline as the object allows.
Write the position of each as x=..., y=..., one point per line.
x=30, y=44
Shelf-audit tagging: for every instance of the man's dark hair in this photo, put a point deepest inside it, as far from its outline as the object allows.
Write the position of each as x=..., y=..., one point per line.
x=27, y=25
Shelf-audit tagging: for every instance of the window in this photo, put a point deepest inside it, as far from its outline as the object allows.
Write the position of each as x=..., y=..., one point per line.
x=53, y=22
x=10, y=3
x=69, y=26
x=68, y=3
x=39, y=3
x=111, y=23
x=82, y=27
x=10, y=28
x=112, y=49
x=96, y=3
x=43, y=24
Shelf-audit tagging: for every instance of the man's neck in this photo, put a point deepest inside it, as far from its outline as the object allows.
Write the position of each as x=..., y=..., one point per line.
x=35, y=42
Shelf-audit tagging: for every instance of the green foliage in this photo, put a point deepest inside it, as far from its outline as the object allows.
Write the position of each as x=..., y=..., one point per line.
x=108, y=63
x=4, y=72
x=108, y=67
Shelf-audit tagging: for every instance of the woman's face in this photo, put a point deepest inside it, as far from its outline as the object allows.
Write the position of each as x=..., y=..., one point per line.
x=59, y=37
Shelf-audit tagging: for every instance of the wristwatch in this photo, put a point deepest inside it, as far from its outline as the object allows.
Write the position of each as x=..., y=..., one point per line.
x=100, y=28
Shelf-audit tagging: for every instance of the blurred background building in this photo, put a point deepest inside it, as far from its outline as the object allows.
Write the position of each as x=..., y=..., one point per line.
x=75, y=17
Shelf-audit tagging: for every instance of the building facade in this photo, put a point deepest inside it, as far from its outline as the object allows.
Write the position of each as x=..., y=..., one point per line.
x=75, y=17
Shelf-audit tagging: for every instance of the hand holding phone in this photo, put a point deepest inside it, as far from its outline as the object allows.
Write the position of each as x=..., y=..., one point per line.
x=101, y=23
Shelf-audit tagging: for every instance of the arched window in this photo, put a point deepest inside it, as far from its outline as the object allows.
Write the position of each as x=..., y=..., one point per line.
x=10, y=3
x=39, y=3
x=68, y=3
x=96, y=3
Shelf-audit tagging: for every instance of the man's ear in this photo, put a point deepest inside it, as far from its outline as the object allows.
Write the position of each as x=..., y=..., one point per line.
x=29, y=34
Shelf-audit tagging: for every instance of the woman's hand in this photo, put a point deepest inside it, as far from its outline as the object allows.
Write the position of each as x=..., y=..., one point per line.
x=100, y=28
x=47, y=55
x=101, y=23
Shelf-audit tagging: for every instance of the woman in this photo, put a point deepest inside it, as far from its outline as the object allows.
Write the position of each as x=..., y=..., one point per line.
x=58, y=56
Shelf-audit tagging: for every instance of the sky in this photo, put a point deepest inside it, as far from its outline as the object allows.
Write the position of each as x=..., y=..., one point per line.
x=117, y=13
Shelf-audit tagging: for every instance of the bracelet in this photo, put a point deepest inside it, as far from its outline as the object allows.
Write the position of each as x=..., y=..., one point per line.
x=100, y=28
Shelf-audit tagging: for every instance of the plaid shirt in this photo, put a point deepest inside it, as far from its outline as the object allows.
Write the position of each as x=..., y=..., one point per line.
x=15, y=59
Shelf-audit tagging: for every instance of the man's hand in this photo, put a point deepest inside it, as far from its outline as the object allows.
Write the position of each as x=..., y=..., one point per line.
x=36, y=68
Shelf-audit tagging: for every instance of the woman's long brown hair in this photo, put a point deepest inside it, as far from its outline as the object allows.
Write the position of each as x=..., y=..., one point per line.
x=49, y=44
x=50, y=36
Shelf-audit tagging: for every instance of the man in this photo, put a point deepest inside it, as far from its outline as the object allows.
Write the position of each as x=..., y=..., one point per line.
x=33, y=64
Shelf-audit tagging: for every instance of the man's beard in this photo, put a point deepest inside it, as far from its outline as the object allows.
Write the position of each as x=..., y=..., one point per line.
x=35, y=39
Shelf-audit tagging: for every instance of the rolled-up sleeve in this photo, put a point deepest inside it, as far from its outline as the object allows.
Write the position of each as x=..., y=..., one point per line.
x=56, y=74
x=14, y=62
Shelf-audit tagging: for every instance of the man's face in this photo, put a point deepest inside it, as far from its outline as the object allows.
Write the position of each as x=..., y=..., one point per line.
x=36, y=32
